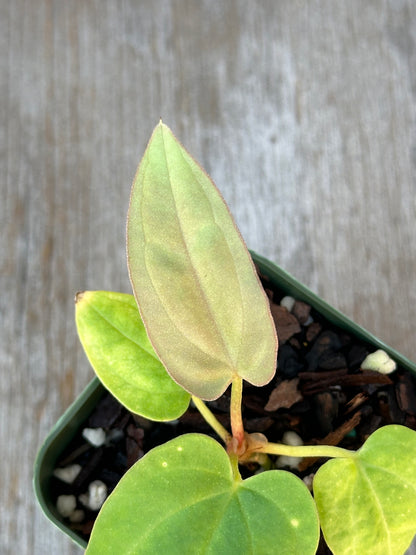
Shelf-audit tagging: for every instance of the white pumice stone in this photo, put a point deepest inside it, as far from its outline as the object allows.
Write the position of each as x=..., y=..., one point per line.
x=66, y=505
x=308, y=481
x=96, y=495
x=68, y=473
x=94, y=436
x=77, y=516
x=285, y=461
x=288, y=302
x=292, y=438
x=379, y=361
x=289, y=438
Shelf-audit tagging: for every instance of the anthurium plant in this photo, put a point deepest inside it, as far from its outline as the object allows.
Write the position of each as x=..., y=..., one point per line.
x=199, y=322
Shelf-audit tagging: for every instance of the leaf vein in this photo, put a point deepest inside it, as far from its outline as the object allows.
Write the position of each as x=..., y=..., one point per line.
x=197, y=279
x=119, y=330
x=379, y=506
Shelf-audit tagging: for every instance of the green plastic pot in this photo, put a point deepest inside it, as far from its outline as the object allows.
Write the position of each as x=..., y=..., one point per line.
x=75, y=416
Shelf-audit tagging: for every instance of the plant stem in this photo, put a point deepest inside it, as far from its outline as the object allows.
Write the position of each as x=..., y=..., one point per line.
x=210, y=419
x=237, y=427
x=305, y=450
x=234, y=466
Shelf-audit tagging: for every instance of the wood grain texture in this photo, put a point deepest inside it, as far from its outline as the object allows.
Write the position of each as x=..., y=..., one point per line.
x=304, y=114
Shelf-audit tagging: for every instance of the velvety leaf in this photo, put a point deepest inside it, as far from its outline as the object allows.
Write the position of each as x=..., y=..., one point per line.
x=367, y=504
x=181, y=498
x=117, y=346
x=196, y=286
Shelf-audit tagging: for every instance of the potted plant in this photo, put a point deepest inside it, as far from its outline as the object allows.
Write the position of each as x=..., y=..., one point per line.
x=199, y=323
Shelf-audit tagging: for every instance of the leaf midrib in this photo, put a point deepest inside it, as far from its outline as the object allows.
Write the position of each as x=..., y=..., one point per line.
x=367, y=479
x=197, y=279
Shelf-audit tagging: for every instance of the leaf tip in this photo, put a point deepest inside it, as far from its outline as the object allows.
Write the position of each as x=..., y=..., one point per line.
x=84, y=296
x=78, y=296
x=162, y=127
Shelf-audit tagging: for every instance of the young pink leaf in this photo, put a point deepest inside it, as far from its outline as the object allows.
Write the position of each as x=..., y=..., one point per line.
x=195, y=284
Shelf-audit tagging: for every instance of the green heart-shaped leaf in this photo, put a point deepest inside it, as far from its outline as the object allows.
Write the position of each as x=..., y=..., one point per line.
x=117, y=346
x=196, y=286
x=182, y=498
x=367, y=504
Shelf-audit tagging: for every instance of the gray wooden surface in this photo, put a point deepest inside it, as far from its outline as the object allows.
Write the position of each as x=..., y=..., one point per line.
x=304, y=114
